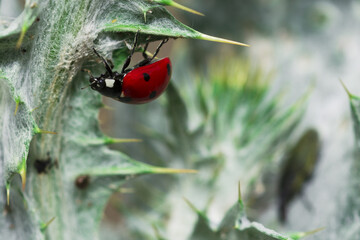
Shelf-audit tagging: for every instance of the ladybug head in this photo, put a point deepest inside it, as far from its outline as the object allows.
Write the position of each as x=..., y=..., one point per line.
x=97, y=83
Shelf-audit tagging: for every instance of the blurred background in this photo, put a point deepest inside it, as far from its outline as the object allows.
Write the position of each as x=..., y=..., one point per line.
x=273, y=117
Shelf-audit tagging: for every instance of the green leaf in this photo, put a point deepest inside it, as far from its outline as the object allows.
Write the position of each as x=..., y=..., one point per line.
x=22, y=23
x=69, y=175
x=349, y=224
x=138, y=17
x=202, y=230
x=132, y=167
x=235, y=225
x=355, y=114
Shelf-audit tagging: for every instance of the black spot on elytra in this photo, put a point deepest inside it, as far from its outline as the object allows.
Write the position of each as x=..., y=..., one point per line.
x=168, y=69
x=152, y=94
x=146, y=77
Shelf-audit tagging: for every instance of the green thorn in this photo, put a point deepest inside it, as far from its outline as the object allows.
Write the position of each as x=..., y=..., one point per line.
x=22, y=172
x=34, y=109
x=346, y=89
x=21, y=38
x=33, y=5
x=146, y=169
x=159, y=170
x=8, y=193
x=306, y=234
x=221, y=40
x=201, y=214
x=38, y=130
x=177, y=5
x=108, y=140
x=191, y=205
x=157, y=232
x=145, y=13
x=239, y=192
x=16, y=107
x=209, y=202
x=17, y=102
x=44, y=226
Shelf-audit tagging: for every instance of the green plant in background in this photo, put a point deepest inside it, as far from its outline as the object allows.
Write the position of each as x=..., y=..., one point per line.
x=235, y=225
x=68, y=177
x=318, y=47
x=348, y=224
x=228, y=119
x=228, y=126
x=298, y=167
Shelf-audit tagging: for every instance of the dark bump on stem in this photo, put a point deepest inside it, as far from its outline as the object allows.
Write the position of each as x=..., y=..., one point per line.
x=82, y=182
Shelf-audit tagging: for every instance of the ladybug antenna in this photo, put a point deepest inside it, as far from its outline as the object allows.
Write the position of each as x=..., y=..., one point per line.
x=91, y=77
x=108, y=68
x=88, y=71
x=88, y=85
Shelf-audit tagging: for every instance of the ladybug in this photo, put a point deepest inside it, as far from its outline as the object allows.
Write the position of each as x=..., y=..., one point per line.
x=143, y=83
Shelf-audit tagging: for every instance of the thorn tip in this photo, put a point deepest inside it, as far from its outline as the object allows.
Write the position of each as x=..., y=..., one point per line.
x=172, y=170
x=16, y=108
x=38, y=130
x=345, y=88
x=8, y=194
x=182, y=7
x=44, y=226
x=239, y=192
x=23, y=178
x=221, y=40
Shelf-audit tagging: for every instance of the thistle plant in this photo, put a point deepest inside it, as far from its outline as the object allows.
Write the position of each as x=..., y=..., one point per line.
x=347, y=224
x=226, y=125
x=56, y=172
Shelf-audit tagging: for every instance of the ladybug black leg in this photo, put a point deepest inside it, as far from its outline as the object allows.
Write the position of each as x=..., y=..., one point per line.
x=158, y=48
x=108, y=68
x=148, y=60
x=144, y=51
x=128, y=60
x=111, y=64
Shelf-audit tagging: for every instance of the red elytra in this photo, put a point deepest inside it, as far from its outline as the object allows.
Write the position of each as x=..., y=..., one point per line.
x=146, y=83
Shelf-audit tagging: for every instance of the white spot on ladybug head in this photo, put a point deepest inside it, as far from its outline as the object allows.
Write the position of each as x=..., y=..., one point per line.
x=109, y=83
x=122, y=94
